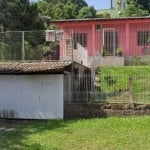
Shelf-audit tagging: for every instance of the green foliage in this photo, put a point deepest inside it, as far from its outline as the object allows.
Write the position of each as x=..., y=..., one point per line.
x=134, y=9
x=10, y=47
x=78, y=3
x=104, y=51
x=64, y=11
x=125, y=70
x=20, y=15
x=3, y=50
x=10, y=51
x=87, y=12
x=23, y=15
x=119, y=51
x=116, y=79
x=104, y=15
x=59, y=11
x=28, y=50
x=141, y=61
x=145, y=4
x=136, y=61
x=70, y=10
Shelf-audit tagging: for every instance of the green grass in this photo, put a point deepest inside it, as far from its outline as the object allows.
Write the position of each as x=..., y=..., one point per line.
x=115, y=81
x=93, y=134
x=125, y=70
x=117, y=78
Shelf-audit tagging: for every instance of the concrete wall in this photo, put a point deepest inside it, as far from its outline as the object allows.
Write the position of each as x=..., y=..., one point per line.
x=105, y=61
x=104, y=110
x=132, y=60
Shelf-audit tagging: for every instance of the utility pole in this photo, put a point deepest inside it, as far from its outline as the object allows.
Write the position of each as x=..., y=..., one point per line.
x=111, y=3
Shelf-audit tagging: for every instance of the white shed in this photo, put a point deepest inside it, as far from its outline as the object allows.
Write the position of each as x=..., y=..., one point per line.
x=32, y=90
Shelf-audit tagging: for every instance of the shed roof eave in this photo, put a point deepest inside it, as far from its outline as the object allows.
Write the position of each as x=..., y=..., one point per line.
x=33, y=68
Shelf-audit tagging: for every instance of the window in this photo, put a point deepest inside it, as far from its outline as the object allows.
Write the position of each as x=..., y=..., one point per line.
x=110, y=42
x=143, y=38
x=80, y=38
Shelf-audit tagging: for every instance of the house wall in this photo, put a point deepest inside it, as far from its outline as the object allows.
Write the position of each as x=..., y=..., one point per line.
x=31, y=96
x=81, y=28
x=136, y=49
x=127, y=33
x=119, y=28
x=94, y=36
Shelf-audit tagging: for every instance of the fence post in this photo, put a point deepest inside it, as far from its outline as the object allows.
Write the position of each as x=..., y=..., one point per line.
x=131, y=105
x=23, y=50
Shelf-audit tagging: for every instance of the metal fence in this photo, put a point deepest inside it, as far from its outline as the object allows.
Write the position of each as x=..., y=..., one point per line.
x=33, y=45
x=16, y=46
x=108, y=88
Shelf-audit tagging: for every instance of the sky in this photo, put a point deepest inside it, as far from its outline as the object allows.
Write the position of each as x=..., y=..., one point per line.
x=98, y=4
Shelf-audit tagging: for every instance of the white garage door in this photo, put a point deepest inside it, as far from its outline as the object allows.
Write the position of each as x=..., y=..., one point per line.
x=31, y=96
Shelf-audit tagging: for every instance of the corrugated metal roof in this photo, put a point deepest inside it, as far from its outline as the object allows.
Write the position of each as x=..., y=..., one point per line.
x=101, y=19
x=34, y=67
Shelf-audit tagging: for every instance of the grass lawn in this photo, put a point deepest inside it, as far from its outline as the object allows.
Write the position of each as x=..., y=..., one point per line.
x=93, y=134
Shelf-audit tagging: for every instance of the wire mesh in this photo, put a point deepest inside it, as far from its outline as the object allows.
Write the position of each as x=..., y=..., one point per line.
x=108, y=88
x=10, y=46
x=141, y=88
x=34, y=45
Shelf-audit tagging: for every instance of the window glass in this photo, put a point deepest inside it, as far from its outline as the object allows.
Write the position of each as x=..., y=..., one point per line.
x=80, y=38
x=143, y=38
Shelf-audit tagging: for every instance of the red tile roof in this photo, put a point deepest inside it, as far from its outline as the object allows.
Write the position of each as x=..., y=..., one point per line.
x=34, y=67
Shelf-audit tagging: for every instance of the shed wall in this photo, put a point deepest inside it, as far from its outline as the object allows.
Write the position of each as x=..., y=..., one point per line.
x=31, y=96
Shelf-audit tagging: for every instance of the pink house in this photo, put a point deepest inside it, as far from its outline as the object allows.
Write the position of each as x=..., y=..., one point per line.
x=96, y=37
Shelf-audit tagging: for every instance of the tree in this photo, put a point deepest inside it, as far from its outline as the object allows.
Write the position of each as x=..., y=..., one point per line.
x=87, y=12
x=103, y=15
x=78, y=3
x=70, y=10
x=2, y=15
x=145, y=4
x=45, y=8
x=20, y=15
x=134, y=9
x=61, y=9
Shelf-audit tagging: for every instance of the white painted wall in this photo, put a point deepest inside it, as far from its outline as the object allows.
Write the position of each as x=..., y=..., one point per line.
x=80, y=54
x=31, y=96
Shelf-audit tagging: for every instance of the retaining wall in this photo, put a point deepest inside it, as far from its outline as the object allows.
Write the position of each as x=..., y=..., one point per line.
x=101, y=110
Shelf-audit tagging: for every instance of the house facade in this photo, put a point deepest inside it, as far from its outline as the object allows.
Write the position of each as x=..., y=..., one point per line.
x=106, y=37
